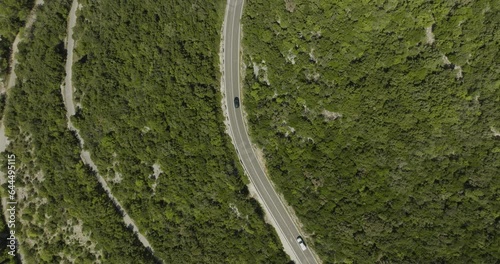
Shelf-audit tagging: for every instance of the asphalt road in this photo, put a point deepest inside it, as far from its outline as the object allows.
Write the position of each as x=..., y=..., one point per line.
x=273, y=205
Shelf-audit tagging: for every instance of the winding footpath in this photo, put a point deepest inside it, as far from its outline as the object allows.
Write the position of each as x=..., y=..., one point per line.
x=67, y=94
x=275, y=208
x=12, y=77
x=11, y=81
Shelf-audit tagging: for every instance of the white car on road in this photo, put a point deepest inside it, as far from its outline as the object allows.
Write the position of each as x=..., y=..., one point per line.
x=301, y=243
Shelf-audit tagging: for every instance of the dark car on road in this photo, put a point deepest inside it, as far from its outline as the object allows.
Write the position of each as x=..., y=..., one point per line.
x=237, y=102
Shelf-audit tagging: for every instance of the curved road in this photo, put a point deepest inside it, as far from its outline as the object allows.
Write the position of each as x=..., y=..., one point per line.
x=273, y=206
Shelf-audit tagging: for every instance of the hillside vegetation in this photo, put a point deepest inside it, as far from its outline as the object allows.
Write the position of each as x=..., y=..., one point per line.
x=379, y=121
x=13, y=14
x=146, y=76
x=63, y=214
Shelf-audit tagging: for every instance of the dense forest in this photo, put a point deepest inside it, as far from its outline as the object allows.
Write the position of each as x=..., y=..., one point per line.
x=380, y=124
x=13, y=14
x=146, y=76
x=64, y=215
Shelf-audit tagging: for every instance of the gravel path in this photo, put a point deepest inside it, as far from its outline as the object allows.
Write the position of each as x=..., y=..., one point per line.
x=11, y=81
x=67, y=94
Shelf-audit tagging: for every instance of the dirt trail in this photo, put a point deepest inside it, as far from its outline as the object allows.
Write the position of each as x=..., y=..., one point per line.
x=67, y=88
x=12, y=77
x=67, y=94
x=11, y=81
